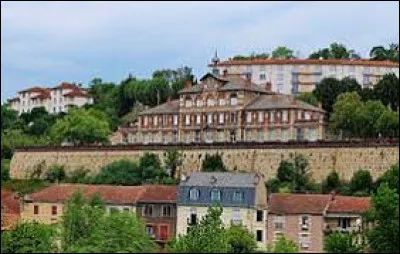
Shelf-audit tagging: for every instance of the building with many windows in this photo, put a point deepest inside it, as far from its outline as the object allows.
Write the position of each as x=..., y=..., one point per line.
x=55, y=100
x=242, y=196
x=292, y=76
x=226, y=108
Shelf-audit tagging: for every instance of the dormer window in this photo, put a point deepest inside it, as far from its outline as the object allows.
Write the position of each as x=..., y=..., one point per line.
x=238, y=196
x=234, y=100
x=194, y=194
x=215, y=195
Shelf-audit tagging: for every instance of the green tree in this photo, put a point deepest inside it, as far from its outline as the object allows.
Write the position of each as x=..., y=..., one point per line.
x=335, y=51
x=341, y=243
x=10, y=119
x=380, y=53
x=173, y=159
x=123, y=172
x=116, y=233
x=79, y=175
x=282, y=52
x=5, y=170
x=209, y=236
x=390, y=177
x=387, y=91
x=384, y=237
x=213, y=163
x=12, y=139
x=28, y=237
x=55, y=173
x=367, y=116
x=331, y=183
x=283, y=245
x=240, y=240
x=80, y=218
x=344, y=113
x=309, y=98
x=361, y=182
x=81, y=126
x=388, y=124
x=285, y=171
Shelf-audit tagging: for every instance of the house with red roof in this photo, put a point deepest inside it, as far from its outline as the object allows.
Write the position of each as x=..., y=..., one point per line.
x=10, y=209
x=308, y=218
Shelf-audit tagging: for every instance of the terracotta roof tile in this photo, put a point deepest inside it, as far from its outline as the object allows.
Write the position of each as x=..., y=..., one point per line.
x=10, y=202
x=35, y=89
x=364, y=62
x=286, y=203
x=169, y=107
x=76, y=93
x=66, y=85
x=159, y=193
x=346, y=204
x=9, y=221
x=110, y=194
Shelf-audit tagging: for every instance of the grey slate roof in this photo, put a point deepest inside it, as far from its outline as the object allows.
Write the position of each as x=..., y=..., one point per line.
x=223, y=179
x=280, y=101
x=169, y=107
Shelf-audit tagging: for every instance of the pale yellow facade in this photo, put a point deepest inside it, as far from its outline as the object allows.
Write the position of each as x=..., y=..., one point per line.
x=246, y=215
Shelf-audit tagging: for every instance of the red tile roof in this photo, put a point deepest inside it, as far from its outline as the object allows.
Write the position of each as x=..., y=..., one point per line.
x=286, y=203
x=66, y=85
x=76, y=93
x=159, y=193
x=110, y=194
x=343, y=204
x=35, y=89
x=44, y=94
x=364, y=62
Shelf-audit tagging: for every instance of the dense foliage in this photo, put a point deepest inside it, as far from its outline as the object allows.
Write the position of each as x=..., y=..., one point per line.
x=213, y=163
x=342, y=243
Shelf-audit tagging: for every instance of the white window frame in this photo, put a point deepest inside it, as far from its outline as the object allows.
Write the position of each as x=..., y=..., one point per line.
x=198, y=119
x=187, y=119
x=260, y=116
x=209, y=118
x=155, y=120
x=284, y=116
x=248, y=117
x=221, y=118
x=175, y=119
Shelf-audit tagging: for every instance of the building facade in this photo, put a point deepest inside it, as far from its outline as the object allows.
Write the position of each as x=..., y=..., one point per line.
x=242, y=196
x=307, y=219
x=292, y=76
x=226, y=108
x=55, y=100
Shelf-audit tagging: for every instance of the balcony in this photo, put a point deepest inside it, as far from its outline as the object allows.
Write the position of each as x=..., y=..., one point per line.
x=330, y=229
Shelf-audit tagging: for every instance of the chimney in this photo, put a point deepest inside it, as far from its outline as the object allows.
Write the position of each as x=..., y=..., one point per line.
x=268, y=86
x=188, y=84
x=333, y=196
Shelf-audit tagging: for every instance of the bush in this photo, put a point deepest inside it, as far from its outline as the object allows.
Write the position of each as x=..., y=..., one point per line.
x=361, y=181
x=341, y=243
x=331, y=183
x=79, y=175
x=5, y=170
x=55, y=173
x=240, y=240
x=213, y=163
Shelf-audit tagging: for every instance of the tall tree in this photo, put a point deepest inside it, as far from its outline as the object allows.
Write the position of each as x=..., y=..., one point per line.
x=212, y=163
x=380, y=53
x=282, y=52
x=384, y=237
x=173, y=159
x=361, y=183
x=387, y=91
x=331, y=183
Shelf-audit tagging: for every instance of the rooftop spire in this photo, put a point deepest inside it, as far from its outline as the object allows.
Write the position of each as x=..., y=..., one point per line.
x=215, y=59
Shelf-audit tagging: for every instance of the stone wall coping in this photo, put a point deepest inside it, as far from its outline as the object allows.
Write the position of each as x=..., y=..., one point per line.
x=219, y=145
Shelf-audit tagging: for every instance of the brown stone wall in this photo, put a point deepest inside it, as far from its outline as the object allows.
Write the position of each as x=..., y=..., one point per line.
x=264, y=158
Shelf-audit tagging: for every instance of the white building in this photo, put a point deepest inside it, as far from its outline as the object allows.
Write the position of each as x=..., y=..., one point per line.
x=291, y=76
x=54, y=100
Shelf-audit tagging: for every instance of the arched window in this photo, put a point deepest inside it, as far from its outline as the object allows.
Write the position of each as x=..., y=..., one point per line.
x=215, y=195
x=233, y=99
x=194, y=194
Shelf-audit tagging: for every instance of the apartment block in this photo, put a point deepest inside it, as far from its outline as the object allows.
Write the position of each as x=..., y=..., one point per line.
x=55, y=100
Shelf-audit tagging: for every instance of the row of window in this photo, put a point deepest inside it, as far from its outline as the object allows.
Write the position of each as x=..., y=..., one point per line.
x=149, y=210
x=233, y=101
x=216, y=195
x=332, y=68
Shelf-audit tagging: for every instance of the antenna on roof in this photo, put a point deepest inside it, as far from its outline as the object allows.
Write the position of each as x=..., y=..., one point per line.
x=215, y=59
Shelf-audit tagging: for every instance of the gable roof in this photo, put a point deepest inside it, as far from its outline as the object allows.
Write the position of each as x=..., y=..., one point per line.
x=346, y=204
x=170, y=107
x=286, y=203
x=220, y=179
x=110, y=194
x=280, y=101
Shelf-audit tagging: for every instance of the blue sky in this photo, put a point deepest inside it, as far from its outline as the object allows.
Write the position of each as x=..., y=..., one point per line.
x=44, y=43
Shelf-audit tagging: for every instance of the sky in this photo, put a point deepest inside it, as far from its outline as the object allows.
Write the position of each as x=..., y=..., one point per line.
x=45, y=43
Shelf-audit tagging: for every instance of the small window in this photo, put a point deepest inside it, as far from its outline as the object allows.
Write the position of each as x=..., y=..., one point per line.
x=260, y=215
x=260, y=116
x=259, y=235
x=262, y=77
x=278, y=222
x=54, y=210
x=187, y=120
x=198, y=119
x=215, y=195
x=36, y=209
x=248, y=117
x=155, y=120
x=238, y=196
x=148, y=210
x=284, y=116
x=194, y=194
x=209, y=119
x=272, y=116
x=234, y=100
x=175, y=120
x=221, y=118
x=166, y=211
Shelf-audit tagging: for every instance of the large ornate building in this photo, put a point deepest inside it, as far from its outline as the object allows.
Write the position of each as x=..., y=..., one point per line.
x=226, y=108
